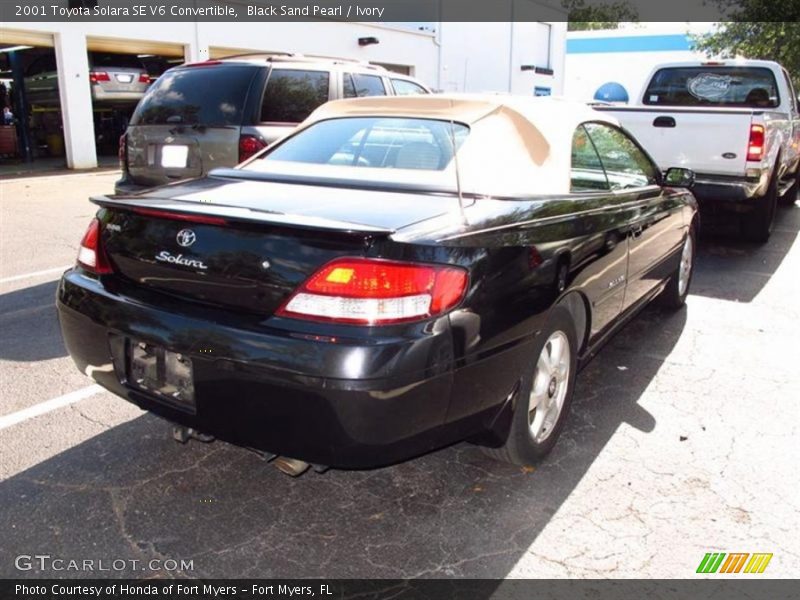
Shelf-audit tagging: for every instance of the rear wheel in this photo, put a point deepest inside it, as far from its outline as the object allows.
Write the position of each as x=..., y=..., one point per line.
x=674, y=295
x=757, y=224
x=790, y=197
x=545, y=395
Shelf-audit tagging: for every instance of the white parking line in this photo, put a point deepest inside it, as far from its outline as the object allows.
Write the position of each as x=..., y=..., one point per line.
x=47, y=406
x=35, y=274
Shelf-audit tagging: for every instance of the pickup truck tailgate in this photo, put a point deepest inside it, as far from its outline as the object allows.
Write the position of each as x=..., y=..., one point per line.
x=710, y=142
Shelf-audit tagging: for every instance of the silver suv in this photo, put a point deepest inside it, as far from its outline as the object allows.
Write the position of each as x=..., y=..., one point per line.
x=218, y=113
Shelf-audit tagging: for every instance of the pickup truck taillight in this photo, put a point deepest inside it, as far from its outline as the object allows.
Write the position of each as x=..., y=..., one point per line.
x=248, y=146
x=755, y=147
x=91, y=255
x=364, y=291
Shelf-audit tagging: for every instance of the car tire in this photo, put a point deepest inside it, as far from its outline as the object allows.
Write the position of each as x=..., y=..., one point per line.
x=545, y=394
x=790, y=197
x=674, y=295
x=757, y=224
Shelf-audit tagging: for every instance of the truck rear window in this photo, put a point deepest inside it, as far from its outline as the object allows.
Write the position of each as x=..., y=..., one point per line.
x=726, y=87
x=209, y=96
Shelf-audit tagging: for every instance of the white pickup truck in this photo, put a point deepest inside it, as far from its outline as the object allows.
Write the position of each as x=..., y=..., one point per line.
x=736, y=124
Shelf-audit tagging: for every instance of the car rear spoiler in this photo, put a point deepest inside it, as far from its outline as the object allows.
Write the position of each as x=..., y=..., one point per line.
x=188, y=209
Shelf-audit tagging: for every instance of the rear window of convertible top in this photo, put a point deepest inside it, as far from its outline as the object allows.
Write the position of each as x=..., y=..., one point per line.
x=373, y=142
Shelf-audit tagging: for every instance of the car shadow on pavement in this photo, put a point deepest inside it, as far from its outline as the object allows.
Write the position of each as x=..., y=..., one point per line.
x=29, y=329
x=736, y=270
x=132, y=493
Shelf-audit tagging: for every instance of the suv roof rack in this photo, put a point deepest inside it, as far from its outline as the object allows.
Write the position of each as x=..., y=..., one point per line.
x=292, y=57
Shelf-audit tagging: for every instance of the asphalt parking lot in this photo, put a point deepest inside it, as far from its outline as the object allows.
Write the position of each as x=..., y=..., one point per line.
x=683, y=440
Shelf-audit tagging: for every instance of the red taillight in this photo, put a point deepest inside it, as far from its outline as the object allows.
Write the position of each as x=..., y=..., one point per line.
x=176, y=216
x=97, y=76
x=122, y=151
x=248, y=146
x=144, y=78
x=755, y=147
x=376, y=292
x=91, y=255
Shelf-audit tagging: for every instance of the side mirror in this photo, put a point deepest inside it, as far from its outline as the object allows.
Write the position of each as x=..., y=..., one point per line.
x=679, y=177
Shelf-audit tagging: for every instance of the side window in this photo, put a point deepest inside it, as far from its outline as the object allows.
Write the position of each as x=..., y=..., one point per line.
x=587, y=173
x=365, y=85
x=292, y=95
x=403, y=87
x=348, y=87
x=626, y=166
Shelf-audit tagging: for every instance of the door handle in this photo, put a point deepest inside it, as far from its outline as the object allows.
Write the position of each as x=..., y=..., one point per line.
x=664, y=122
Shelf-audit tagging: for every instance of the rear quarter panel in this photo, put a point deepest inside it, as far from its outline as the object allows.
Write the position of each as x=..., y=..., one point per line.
x=513, y=249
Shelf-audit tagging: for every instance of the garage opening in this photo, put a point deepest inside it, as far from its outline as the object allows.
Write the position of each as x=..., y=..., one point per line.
x=29, y=130
x=120, y=73
x=32, y=122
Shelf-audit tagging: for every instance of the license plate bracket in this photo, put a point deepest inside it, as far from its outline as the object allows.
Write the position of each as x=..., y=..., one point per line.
x=169, y=376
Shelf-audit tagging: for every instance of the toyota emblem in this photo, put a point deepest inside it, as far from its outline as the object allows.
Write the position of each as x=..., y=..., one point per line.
x=186, y=238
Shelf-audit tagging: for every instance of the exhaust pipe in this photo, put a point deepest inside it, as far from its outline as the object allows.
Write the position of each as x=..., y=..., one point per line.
x=291, y=466
x=184, y=434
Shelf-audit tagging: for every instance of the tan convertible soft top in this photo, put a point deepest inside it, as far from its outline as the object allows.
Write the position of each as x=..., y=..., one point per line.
x=516, y=145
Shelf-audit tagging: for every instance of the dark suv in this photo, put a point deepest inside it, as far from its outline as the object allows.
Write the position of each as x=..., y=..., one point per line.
x=218, y=113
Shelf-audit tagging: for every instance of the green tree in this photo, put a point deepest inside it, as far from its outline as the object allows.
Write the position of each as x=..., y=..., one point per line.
x=774, y=36
x=609, y=15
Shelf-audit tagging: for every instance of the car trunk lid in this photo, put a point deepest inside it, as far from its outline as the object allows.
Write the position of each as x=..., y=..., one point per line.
x=121, y=79
x=247, y=245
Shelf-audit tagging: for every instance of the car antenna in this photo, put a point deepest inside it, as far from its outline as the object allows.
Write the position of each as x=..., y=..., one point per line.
x=458, y=172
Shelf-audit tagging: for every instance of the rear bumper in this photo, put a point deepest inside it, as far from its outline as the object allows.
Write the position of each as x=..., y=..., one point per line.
x=126, y=186
x=738, y=193
x=101, y=95
x=344, y=403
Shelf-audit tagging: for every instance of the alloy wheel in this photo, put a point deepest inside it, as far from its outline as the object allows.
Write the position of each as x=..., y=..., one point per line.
x=550, y=385
x=685, y=271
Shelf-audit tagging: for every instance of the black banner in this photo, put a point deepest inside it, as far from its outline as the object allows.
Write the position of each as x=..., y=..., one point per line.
x=464, y=589
x=386, y=11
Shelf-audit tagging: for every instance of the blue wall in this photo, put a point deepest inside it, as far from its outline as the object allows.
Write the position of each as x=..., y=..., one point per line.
x=643, y=43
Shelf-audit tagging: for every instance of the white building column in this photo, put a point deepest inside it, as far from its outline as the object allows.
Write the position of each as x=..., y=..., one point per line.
x=197, y=51
x=76, y=99
x=558, y=56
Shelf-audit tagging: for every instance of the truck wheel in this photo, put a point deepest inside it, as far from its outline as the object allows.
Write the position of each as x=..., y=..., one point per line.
x=790, y=197
x=757, y=224
x=544, y=398
x=674, y=295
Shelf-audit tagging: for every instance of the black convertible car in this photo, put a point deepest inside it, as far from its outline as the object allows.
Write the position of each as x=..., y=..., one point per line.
x=397, y=275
